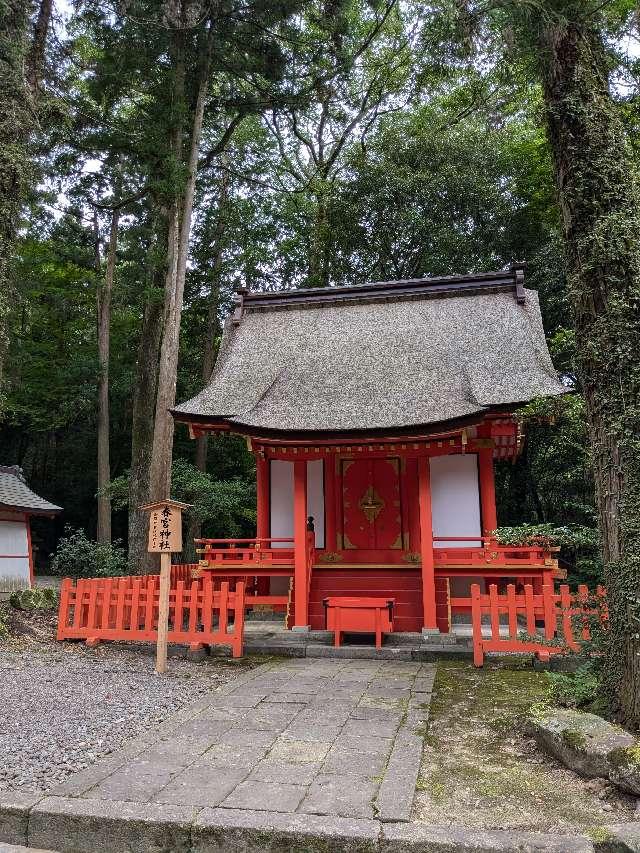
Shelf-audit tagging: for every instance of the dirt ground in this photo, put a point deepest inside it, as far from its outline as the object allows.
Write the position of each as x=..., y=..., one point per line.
x=480, y=770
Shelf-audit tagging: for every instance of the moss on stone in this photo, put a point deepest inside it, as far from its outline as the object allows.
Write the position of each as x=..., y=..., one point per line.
x=599, y=834
x=574, y=738
x=625, y=756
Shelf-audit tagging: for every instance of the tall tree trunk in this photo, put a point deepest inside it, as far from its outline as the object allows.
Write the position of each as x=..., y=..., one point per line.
x=105, y=290
x=212, y=330
x=144, y=403
x=601, y=214
x=319, y=254
x=156, y=312
x=35, y=59
x=209, y=356
x=16, y=123
x=160, y=477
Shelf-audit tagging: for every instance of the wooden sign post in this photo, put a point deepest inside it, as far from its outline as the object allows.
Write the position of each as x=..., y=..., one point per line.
x=165, y=538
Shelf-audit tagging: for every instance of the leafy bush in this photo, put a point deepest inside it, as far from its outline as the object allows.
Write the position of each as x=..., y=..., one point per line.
x=4, y=630
x=224, y=507
x=77, y=556
x=579, y=689
x=548, y=536
x=34, y=599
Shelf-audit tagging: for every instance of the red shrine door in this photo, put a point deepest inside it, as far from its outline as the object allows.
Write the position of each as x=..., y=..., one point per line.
x=371, y=505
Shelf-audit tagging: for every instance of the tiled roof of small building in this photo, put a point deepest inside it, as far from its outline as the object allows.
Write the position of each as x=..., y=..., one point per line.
x=380, y=356
x=15, y=493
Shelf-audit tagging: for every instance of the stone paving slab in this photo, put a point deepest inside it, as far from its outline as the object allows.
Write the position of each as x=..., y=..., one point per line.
x=332, y=772
x=294, y=736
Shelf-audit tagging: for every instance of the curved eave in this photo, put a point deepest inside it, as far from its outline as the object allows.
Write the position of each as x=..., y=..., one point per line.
x=229, y=424
x=29, y=510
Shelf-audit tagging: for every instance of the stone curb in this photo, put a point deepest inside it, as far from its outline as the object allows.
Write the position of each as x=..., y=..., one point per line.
x=397, y=790
x=236, y=831
x=14, y=816
x=425, y=653
x=73, y=825
x=108, y=826
x=418, y=838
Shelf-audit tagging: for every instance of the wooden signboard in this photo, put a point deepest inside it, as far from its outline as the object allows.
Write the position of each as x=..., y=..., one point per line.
x=165, y=529
x=165, y=537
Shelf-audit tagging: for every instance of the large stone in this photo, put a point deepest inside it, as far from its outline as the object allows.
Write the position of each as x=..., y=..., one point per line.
x=620, y=838
x=581, y=741
x=624, y=768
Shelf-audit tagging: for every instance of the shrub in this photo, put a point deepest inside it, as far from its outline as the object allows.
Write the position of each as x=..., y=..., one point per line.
x=579, y=689
x=4, y=630
x=77, y=556
x=34, y=599
x=548, y=536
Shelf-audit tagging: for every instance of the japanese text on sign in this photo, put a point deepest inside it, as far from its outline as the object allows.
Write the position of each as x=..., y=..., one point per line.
x=165, y=529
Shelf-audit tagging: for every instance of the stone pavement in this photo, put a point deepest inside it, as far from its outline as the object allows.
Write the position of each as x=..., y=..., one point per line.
x=295, y=756
x=324, y=737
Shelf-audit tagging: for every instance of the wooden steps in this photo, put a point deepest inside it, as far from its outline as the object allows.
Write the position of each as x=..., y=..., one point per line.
x=403, y=584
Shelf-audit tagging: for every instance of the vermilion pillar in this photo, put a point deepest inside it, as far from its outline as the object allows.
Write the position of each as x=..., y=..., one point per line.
x=426, y=545
x=487, y=490
x=263, y=513
x=262, y=489
x=301, y=593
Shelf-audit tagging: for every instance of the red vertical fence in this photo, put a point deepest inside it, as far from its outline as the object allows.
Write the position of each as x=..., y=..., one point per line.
x=543, y=623
x=126, y=608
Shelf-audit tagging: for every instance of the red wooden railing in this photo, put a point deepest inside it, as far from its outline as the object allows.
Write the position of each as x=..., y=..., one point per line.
x=126, y=609
x=250, y=553
x=553, y=617
x=491, y=553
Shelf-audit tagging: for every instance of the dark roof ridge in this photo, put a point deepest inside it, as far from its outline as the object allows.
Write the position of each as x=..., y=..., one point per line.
x=436, y=286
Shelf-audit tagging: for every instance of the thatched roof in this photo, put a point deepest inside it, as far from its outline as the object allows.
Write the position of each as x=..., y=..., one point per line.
x=382, y=356
x=15, y=494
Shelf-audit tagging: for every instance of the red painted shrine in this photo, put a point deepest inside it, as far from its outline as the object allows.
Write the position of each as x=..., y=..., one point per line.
x=377, y=411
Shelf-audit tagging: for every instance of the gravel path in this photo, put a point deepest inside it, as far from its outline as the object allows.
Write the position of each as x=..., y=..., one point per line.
x=63, y=707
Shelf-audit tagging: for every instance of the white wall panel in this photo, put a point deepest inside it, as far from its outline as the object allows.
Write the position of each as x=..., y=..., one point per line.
x=282, y=498
x=14, y=556
x=13, y=538
x=455, y=498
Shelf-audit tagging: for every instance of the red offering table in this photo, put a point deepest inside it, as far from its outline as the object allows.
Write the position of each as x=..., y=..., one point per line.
x=359, y=615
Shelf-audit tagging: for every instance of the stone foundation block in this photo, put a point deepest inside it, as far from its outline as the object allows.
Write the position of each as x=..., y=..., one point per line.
x=100, y=826
x=415, y=838
x=238, y=831
x=14, y=816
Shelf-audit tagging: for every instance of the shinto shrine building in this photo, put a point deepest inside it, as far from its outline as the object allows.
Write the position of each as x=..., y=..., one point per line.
x=379, y=411
x=17, y=506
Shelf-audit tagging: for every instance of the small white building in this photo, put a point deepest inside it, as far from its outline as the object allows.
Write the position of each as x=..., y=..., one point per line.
x=17, y=504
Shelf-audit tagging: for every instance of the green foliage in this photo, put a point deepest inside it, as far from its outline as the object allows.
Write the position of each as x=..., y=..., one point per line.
x=38, y=598
x=79, y=557
x=579, y=689
x=225, y=508
x=4, y=628
x=548, y=536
